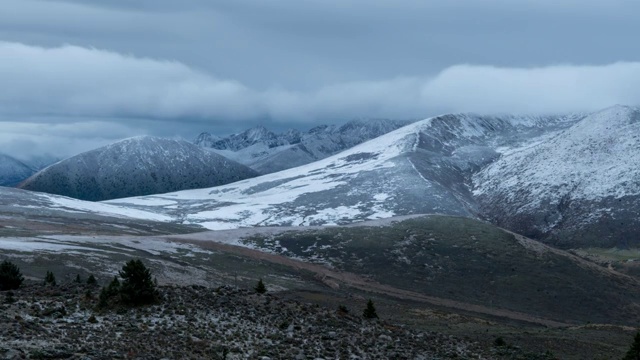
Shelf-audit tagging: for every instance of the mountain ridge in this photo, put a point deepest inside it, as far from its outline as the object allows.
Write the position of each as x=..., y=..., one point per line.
x=136, y=166
x=13, y=171
x=424, y=167
x=267, y=152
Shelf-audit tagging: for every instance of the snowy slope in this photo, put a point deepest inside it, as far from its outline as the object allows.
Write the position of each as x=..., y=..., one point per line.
x=424, y=167
x=137, y=166
x=12, y=171
x=35, y=204
x=267, y=152
x=581, y=185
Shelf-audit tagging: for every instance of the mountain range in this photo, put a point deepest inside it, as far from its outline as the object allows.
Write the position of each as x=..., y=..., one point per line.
x=267, y=152
x=516, y=171
x=136, y=166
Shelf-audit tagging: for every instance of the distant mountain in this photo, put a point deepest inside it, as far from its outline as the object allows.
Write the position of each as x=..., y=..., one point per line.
x=13, y=171
x=267, y=152
x=41, y=161
x=137, y=166
x=424, y=167
x=579, y=186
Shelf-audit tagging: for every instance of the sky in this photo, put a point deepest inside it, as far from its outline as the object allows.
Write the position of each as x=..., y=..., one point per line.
x=77, y=75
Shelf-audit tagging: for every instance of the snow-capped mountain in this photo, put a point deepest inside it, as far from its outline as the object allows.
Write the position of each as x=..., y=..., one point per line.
x=580, y=185
x=13, y=171
x=137, y=166
x=424, y=167
x=267, y=152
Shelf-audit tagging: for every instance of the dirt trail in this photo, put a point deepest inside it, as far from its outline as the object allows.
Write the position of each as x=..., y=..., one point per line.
x=335, y=279
x=539, y=247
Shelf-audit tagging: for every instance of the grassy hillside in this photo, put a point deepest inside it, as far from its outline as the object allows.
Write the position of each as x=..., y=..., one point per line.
x=471, y=261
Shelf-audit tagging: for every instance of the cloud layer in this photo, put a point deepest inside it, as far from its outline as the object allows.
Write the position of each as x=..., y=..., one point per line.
x=71, y=82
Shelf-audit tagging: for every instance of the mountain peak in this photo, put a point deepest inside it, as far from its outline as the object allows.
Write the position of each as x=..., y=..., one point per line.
x=140, y=165
x=205, y=139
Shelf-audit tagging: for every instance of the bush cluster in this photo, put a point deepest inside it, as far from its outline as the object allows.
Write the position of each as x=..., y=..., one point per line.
x=10, y=276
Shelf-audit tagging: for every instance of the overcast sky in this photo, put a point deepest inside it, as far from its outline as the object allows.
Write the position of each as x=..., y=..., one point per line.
x=76, y=75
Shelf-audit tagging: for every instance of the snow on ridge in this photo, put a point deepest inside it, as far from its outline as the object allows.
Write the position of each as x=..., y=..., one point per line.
x=595, y=158
x=248, y=202
x=70, y=204
x=258, y=201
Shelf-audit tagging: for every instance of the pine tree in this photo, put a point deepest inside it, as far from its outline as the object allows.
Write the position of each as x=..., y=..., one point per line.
x=78, y=280
x=109, y=292
x=260, y=288
x=92, y=280
x=10, y=276
x=634, y=350
x=50, y=279
x=370, y=311
x=137, y=287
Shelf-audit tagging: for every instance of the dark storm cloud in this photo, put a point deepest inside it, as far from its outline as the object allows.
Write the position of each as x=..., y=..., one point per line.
x=167, y=67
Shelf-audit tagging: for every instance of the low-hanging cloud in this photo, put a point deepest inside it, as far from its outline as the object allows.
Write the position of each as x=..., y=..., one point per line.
x=71, y=81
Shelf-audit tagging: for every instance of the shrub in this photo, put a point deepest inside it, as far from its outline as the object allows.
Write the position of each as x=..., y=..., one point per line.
x=370, y=311
x=137, y=287
x=9, y=299
x=343, y=309
x=634, y=350
x=10, y=276
x=50, y=279
x=499, y=341
x=260, y=288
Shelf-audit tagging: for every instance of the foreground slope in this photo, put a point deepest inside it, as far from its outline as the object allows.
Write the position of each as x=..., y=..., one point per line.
x=136, y=166
x=424, y=167
x=451, y=274
x=579, y=187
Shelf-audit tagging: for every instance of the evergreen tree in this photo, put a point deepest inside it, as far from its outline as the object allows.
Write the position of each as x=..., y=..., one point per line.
x=50, y=279
x=10, y=276
x=260, y=288
x=109, y=292
x=634, y=350
x=370, y=311
x=78, y=280
x=92, y=280
x=137, y=287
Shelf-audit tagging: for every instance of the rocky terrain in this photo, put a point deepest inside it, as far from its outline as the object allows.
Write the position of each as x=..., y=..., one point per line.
x=136, y=166
x=43, y=322
x=447, y=275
